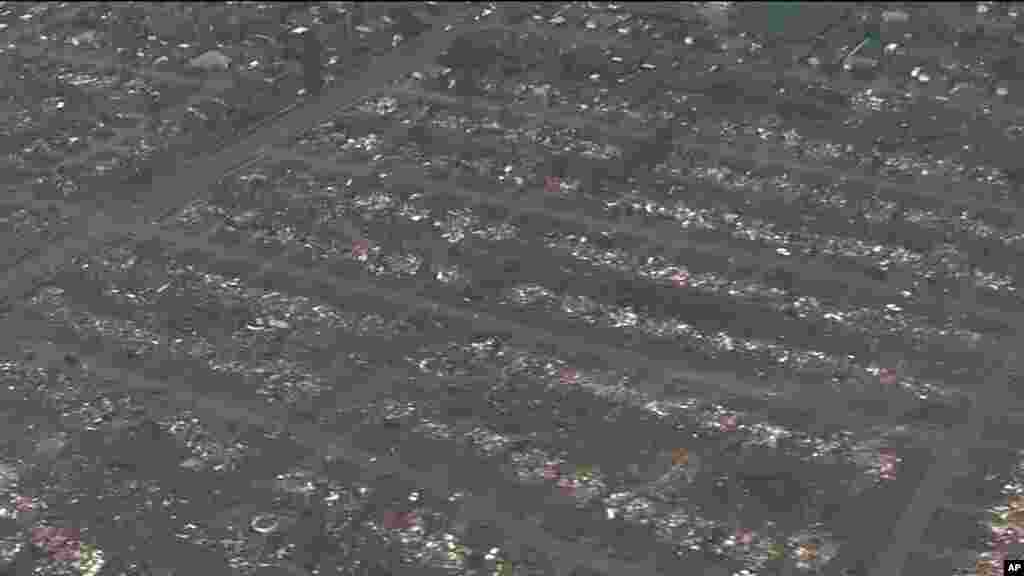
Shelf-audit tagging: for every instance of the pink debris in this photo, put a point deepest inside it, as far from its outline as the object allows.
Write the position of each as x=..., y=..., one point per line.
x=550, y=471
x=1000, y=555
x=568, y=376
x=1007, y=537
x=681, y=279
x=61, y=543
x=744, y=536
x=361, y=250
x=567, y=486
x=887, y=462
x=59, y=538
x=393, y=520
x=888, y=456
x=68, y=552
x=41, y=535
x=728, y=422
x=24, y=504
x=888, y=377
x=552, y=184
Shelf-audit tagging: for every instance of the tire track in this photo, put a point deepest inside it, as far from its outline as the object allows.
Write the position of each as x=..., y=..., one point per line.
x=166, y=195
x=207, y=87
x=950, y=458
x=482, y=507
x=970, y=193
x=666, y=375
x=33, y=343
x=724, y=153
x=674, y=240
x=437, y=251
x=105, y=63
x=999, y=112
x=98, y=226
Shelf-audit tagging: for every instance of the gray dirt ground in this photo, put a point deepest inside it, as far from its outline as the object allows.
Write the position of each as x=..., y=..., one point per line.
x=547, y=289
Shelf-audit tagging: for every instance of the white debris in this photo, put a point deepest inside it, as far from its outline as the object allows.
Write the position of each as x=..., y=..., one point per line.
x=895, y=16
x=279, y=324
x=87, y=37
x=8, y=476
x=264, y=524
x=192, y=463
x=212, y=60
x=51, y=446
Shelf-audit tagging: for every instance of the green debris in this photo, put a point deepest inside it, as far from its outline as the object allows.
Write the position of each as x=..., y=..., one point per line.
x=780, y=15
x=869, y=41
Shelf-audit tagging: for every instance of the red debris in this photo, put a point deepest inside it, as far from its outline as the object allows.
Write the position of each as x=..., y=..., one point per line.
x=552, y=184
x=888, y=377
x=361, y=250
